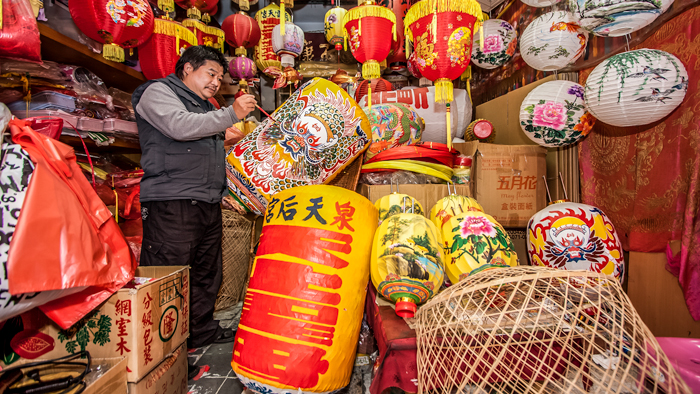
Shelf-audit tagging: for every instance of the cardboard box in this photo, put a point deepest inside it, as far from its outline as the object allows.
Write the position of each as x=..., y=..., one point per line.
x=426, y=195
x=519, y=238
x=143, y=324
x=509, y=183
x=170, y=377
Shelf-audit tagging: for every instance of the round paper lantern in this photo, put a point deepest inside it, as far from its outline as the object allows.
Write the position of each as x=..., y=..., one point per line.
x=573, y=236
x=450, y=206
x=553, y=41
x=554, y=114
x=240, y=67
x=196, y=9
x=298, y=331
x=376, y=86
x=244, y=5
x=393, y=125
x=333, y=27
x=474, y=242
x=241, y=32
x=117, y=25
x=500, y=41
x=407, y=265
x=158, y=55
x=398, y=50
x=636, y=88
x=540, y=3
x=396, y=203
x=367, y=29
x=288, y=45
x=267, y=19
x=206, y=35
x=616, y=18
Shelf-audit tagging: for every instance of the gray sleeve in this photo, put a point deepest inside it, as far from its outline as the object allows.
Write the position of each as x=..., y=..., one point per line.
x=160, y=106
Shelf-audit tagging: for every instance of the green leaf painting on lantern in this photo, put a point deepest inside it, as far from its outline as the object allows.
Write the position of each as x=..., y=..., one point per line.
x=480, y=239
x=536, y=50
x=560, y=51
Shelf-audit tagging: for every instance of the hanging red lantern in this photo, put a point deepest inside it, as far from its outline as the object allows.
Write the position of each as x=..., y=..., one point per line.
x=398, y=50
x=241, y=32
x=376, y=85
x=206, y=35
x=267, y=19
x=199, y=9
x=118, y=24
x=161, y=51
x=441, y=31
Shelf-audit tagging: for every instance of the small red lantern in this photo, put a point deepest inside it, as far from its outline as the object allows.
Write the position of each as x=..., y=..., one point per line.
x=118, y=24
x=376, y=85
x=366, y=27
x=206, y=35
x=199, y=9
x=241, y=32
x=162, y=50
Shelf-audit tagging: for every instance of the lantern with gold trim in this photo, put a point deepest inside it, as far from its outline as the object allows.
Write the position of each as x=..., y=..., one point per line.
x=206, y=35
x=442, y=33
x=244, y=5
x=333, y=27
x=162, y=50
x=267, y=19
x=118, y=24
x=199, y=9
x=241, y=32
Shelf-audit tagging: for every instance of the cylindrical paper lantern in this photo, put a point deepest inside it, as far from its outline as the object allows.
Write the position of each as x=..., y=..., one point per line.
x=368, y=29
x=398, y=50
x=116, y=26
x=474, y=242
x=303, y=309
x=450, y=206
x=333, y=27
x=288, y=45
x=500, y=41
x=241, y=32
x=636, y=88
x=572, y=236
x=393, y=125
x=554, y=114
x=616, y=18
x=396, y=203
x=553, y=41
x=206, y=35
x=268, y=18
x=162, y=50
x=407, y=263
x=241, y=67
x=540, y=3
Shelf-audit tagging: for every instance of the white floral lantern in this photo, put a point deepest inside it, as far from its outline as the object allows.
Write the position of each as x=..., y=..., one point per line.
x=573, y=236
x=289, y=45
x=540, y=3
x=636, y=88
x=500, y=41
x=553, y=41
x=554, y=114
x=616, y=18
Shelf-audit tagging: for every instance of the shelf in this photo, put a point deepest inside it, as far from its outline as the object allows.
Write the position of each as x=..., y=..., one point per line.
x=59, y=48
x=124, y=146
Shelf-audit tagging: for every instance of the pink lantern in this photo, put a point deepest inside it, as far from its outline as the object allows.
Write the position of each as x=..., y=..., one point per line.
x=242, y=68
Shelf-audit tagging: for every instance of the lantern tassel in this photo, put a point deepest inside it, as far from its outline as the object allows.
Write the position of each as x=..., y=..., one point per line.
x=449, y=128
x=407, y=48
x=244, y=4
x=371, y=70
x=443, y=91
x=282, y=18
x=241, y=51
x=206, y=18
x=194, y=13
x=166, y=5
x=113, y=52
x=369, y=95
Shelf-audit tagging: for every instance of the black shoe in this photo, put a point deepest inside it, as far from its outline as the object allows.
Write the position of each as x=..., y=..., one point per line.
x=192, y=371
x=227, y=335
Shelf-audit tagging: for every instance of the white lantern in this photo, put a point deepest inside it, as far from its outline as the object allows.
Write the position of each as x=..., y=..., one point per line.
x=616, y=18
x=289, y=45
x=500, y=40
x=636, y=88
x=554, y=114
x=540, y=3
x=553, y=41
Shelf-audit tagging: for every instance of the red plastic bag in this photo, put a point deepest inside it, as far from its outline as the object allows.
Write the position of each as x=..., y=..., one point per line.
x=81, y=244
x=50, y=127
x=19, y=36
x=128, y=187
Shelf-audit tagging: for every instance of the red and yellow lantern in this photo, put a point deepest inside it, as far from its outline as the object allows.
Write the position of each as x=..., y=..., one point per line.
x=365, y=27
x=241, y=32
x=162, y=50
x=441, y=31
x=206, y=35
x=267, y=19
x=118, y=24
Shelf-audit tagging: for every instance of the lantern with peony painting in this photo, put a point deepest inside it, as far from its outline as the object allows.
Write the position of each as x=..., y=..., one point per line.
x=206, y=35
x=118, y=24
x=499, y=42
x=199, y=9
x=162, y=50
x=553, y=41
x=367, y=28
x=442, y=35
x=289, y=44
x=267, y=19
x=554, y=114
x=333, y=28
x=241, y=32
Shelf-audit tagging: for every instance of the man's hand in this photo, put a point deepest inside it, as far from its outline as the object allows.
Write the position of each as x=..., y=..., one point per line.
x=244, y=105
x=233, y=135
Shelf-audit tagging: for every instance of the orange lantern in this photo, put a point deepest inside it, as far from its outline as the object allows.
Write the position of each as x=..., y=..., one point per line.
x=118, y=24
x=268, y=18
x=162, y=50
x=206, y=35
x=441, y=31
x=241, y=32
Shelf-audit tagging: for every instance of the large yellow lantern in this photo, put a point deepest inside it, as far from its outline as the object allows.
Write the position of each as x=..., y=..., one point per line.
x=333, y=27
x=396, y=203
x=268, y=18
x=450, y=206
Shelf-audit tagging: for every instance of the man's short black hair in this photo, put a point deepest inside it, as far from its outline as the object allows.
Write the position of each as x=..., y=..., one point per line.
x=197, y=56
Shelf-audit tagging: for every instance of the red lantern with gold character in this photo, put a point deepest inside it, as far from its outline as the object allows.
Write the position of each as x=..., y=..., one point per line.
x=241, y=32
x=162, y=50
x=118, y=24
x=206, y=35
x=268, y=18
x=442, y=33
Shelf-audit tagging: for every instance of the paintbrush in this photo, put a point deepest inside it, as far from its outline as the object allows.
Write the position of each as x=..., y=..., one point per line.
x=265, y=113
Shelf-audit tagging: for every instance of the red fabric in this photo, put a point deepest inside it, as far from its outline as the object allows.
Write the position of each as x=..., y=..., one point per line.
x=647, y=178
x=241, y=31
x=158, y=54
x=81, y=244
x=93, y=17
x=19, y=36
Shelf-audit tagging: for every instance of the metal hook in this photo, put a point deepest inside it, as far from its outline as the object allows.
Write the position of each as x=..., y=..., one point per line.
x=413, y=205
x=547, y=187
x=627, y=39
x=403, y=201
x=563, y=187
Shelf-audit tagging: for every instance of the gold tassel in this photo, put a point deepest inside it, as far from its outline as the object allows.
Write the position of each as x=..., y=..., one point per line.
x=241, y=51
x=369, y=94
x=371, y=70
x=116, y=203
x=393, y=30
x=113, y=52
x=166, y=5
x=244, y=4
x=194, y=13
x=407, y=47
x=174, y=29
x=206, y=18
x=177, y=42
x=345, y=43
x=0, y=14
x=449, y=127
x=443, y=91
x=282, y=18
x=359, y=27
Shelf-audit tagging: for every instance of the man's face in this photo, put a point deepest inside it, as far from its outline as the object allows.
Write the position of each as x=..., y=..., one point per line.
x=204, y=81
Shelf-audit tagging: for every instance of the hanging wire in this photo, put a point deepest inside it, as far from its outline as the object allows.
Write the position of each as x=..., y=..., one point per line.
x=627, y=39
x=563, y=186
x=547, y=188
